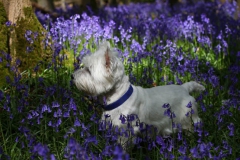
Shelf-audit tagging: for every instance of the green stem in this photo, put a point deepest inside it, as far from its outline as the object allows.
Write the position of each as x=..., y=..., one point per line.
x=5, y=148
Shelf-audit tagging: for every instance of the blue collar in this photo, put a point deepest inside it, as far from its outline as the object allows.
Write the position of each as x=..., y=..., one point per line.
x=120, y=101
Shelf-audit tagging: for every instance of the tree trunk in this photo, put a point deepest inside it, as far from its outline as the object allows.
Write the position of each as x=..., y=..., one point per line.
x=29, y=51
x=3, y=44
x=14, y=11
x=48, y=5
x=14, y=8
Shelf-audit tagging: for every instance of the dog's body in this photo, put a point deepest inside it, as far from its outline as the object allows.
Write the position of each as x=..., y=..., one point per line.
x=103, y=75
x=148, y=105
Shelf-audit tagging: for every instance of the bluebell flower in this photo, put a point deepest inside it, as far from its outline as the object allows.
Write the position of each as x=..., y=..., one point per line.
x=122, y=131
x=66, y=114
x=179, y=136
x=116, y=39
x=55, y=114
x=28, y=36
x=94, y=118
x=49, y=109
x=8, y=23
x=107, y=151
x=59, y=122
x=72, y=105
x=166, y=105
x=77, y=122
x=189, y=105
x=159, y=140
x=69, y=132
x=36, y=68
x=194, y=152
x=74, y=150
x=123, y=119
x=91, y=139
x=59, y=112
x=202, y=147
x=170, y=145
x=50, y=123
x=1, y=95
x=41, y=150
x=29, y=116
x=8, y=80
x=55, y=104
x=169, y=113
x=131, y=117
x=44, y=108
x=52, y=157
x=118, y=153
x=182, y=149
x=214, y=80
x=231, y=129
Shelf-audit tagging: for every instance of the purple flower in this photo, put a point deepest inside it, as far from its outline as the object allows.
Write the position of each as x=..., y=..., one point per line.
x=59, y=112
x=123, y=119
x=29, y=116
x=166, y=105
x=36, y=68
x=170, y=144
x=77, y=122
x=28, y=36
x=179, y=137
x=189, y=105
x=66, y=114
x=69, y=132
x=8, y=23
x=41, y=150
x=182, y=149
x=55, y=105
x=74, y=150
x=40, y=80
x=194, y=152
x=59, y=122
x=214, y=80
x=52, y=157
x=118, y=153
x=1, y=95
x=91, y=139
x=231, y=129
x=72, y=105
x=44, y=108
x=169, y=113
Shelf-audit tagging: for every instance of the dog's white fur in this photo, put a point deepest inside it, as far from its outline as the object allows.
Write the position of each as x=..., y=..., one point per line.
x=103, y=75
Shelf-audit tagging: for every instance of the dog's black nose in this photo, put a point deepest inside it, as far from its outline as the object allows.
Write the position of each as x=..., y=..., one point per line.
x=72, y=77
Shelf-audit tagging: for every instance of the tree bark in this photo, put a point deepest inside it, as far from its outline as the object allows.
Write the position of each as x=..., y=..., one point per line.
x=14, y=8
x=20, y=13
x=47, y=5
x=4, y=44
x=14, y=11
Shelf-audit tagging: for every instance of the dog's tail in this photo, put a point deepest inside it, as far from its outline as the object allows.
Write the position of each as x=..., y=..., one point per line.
x=193, y=86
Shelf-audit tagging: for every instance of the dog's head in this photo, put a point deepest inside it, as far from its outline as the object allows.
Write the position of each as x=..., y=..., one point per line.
x=101, y=72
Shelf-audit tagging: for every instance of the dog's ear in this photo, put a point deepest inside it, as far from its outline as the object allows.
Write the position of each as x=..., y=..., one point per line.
x=107, y=57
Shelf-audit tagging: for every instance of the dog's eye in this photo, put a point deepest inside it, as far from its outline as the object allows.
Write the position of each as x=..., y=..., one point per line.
x=88, y=70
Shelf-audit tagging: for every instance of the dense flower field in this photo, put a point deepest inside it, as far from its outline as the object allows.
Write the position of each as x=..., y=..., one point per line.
x=44, y=116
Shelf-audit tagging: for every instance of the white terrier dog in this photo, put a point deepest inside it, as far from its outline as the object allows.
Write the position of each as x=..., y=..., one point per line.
x=103, y=75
